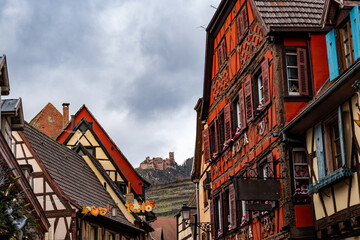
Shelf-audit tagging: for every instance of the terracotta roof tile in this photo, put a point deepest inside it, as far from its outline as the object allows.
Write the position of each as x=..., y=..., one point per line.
x=167, y=226
x=291, y=13
x=71, y=173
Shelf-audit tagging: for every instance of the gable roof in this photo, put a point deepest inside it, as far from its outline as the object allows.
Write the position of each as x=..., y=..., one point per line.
x=13, y=108
x=137, y=182
x=72, y=174
x=294, y=13
x=49, y=121
x=4, y=77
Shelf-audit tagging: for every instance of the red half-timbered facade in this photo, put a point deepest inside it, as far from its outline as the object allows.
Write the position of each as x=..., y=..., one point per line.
x=261, y=69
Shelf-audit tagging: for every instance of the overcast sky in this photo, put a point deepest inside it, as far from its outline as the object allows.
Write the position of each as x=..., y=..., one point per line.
x=137, y=65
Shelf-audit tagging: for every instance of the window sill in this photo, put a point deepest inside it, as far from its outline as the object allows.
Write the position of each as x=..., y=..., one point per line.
x=332, y=178
x=297, y=98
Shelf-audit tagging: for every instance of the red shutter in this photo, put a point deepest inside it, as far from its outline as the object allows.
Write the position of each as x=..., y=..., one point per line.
x=242, y=109
x=227, y=120
x=212, y=216
x=233, y=206
x=302, y=71
x=238, y=27
x=224, y=50
x=216, y=136
x=249, y=100
x=244, y=19
x=266, y=81
x=271, y=172
x=220, y=53
x=206, y=144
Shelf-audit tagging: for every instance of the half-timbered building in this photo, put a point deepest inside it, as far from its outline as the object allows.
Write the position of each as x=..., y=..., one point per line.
x=76, y=203
x=85, y=129
x=261, y=69
x=327, y=131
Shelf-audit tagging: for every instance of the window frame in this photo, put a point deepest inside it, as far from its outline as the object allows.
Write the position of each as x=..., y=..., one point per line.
x=296, y=178
x=310, y=83
x=339, y=38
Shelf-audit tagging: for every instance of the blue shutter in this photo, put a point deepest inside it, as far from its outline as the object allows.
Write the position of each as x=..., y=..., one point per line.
x=355, y=30
x=332, y=56
x=320, y=154
x=341, y=133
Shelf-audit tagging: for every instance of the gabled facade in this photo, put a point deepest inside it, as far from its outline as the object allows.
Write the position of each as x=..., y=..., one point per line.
x=328, y=129
x=263, y=65
x=64, y=183
x=84, y=128
x=12, y=119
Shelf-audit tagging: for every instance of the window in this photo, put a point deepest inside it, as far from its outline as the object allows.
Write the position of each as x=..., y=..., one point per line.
x=301, y=171
x=260, y=89
x=292, y=73
x=238, y=112
x=93, y=233
x=330, y=144
x=221, y=128
x=219, y=216
x=296, y=72
x=343, y=44
x=346, y=42
x=207, y=188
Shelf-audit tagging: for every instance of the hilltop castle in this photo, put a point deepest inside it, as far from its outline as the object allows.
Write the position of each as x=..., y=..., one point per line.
x=159, y=163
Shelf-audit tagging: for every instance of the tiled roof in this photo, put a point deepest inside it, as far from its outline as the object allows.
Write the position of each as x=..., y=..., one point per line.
x=49, y=121
x=291, y=13
x=167, y=226
x=71, y=173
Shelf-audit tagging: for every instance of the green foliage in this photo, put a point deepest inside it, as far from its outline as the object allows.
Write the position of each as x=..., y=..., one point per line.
x=15, y=219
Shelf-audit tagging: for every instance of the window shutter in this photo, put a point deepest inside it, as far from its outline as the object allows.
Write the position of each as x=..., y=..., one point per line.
x=270, y=164
x=242, y=109
x=220, y=55
x=212, y=215
x=271, y=172
x=341, y=133
x=302, y=71
x=249, y=100
x=355, y=30
x=216, y=136
x=320, y=156
x=233, y=206
x=206, y=144
x=328, y=150
x=266, y=81
x=238, y=27
x=332, y=56
x=227, y=118
x=244, y=19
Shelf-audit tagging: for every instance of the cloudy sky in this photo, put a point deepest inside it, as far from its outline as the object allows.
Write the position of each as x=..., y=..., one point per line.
x=137, y=65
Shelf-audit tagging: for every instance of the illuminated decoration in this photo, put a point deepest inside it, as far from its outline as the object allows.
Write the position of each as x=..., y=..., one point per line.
x=268, y=225
x=358, y=121
x=94, y=211
x=137, y=207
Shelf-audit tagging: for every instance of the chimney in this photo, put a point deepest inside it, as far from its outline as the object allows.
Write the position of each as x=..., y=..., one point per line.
x=65, y=113
x=72, y=122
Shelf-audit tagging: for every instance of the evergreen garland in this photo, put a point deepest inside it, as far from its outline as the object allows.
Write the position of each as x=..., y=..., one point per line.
x=16, y=222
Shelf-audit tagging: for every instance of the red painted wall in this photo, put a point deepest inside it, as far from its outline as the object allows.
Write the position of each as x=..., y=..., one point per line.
x=292, y=109
x=319, y=60
x=126, y=169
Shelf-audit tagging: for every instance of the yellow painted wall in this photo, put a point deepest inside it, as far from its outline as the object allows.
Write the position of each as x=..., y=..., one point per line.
x=121, y=206
x=73, y=140
x=341, y=189
x=100, y=153
x=91, y=138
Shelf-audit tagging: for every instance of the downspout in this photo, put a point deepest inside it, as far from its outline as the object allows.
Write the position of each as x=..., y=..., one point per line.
x=197, y=210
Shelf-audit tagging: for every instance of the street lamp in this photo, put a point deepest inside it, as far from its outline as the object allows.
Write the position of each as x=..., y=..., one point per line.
x=185, y=215
x=185, y=212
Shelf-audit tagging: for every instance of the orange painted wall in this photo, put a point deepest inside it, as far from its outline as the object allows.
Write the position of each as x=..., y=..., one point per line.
x=126, y=169
x=319, y=60
x=292, y=109
x=294, y=42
